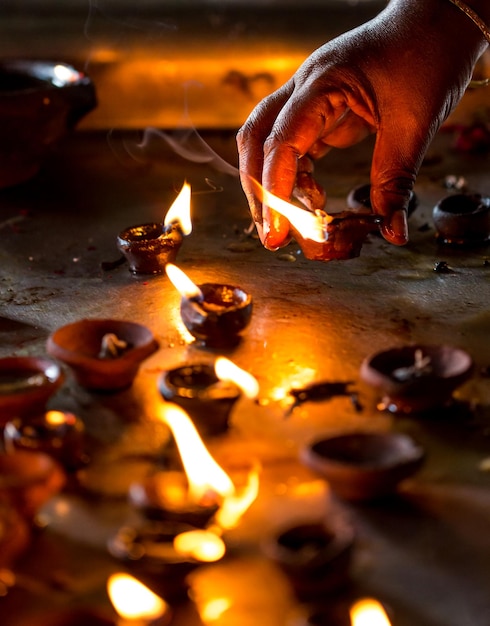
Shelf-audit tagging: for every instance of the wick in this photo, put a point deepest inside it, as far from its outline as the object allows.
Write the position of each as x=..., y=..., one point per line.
x=36, y=380
x=421, y=366
x=111, y=346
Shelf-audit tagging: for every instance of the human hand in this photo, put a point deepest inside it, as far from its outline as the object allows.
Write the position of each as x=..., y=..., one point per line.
x=399, y=76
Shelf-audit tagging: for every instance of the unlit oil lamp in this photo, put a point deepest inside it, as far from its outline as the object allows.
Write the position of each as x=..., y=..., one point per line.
x=315, y=556
x=26, y=384
x=214, y=313
x=104, y=354
x=359, y=199
x=202, y=491
x=417, y=378
x=135, y=603
x=322, y=236
x=149, y=247
x=462, y=219
x=57, y=433
x=368, y=612
x=208, y=392
x=28, y=480
x=364, y=466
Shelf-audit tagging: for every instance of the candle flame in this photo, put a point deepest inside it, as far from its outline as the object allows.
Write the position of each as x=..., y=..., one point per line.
x=180, y=211
x=202, y=545
x=204, y=474
x=133, y=600
x=310, y=225
x=368, y=612
x=227, y=370
x=182, y=282
x=57, y=418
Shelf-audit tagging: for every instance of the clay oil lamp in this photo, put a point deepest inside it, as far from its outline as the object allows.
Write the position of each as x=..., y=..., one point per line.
x=213, y=313
x=368, y=612
x=208, y=392
x=359, y=199
x=28, y=480
x=201, y=492
x=26, y=384
x=163, y=554
x=417, y=378
x=364, y=466
x=149, y=247
x=104, y=354
x=135, y=603
x=462, y=219
x=315, y=556
x=57, y=433
x=322, y=236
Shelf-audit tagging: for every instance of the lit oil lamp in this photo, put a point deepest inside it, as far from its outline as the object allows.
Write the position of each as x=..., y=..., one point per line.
x=208, y=392
x=163, y=554
x=417, y=378
x=214, y=313
x=57, y=433
x=368, y=612
x=136, y=604
x=26, y=384
x=315, y=556
x=104, y=354
x=149, y=247
x=322, y=236
x=202, y=491
x=28, y=480
x=364, y=466
x=462, y=219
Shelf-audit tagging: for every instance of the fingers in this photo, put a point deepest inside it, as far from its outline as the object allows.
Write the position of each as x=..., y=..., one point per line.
x=397, y=156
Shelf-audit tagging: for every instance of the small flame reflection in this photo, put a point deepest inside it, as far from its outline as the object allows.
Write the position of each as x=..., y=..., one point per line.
x=180, y=211
x=201, y=545
x=227, y=370
x=133, y=600
x=182, y=282
x=368, y=612
x=204, y=475
x=310, y=225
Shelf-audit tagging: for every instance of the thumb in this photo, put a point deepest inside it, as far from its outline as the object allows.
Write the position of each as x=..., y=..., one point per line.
x=396, y=160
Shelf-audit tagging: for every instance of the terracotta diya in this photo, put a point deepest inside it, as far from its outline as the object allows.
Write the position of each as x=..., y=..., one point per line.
x=214, y=313
x=315, y=556
x=104, y=354
x=198, y=390
x=26, y=384
x=359, y=199
x=149, y=247
x=416, y=378
x=364, y=466
x=462, y=219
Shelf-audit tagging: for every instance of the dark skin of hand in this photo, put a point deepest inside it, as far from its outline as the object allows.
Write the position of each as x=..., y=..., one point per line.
x=398, y=76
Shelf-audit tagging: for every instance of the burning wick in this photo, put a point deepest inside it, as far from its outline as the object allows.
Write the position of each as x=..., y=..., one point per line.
x=368, y=612
x=111, y=346
x=134, y=602
x=422, y=366
x=183, y=283
x=149, y=247
x=227, y=370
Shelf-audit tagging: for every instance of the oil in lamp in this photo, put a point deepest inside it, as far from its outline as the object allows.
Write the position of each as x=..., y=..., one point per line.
x=149, y=247
x=57, y=433
x=214, y=313
x=462, y=219
x=208, y=392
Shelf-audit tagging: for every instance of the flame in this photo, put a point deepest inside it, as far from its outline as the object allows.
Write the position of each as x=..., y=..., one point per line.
x=64, y=75
x=182, y=282
x=132, y=600
x=227, y=370
x=202, y=545
x=180, y=211
x=58, y=418
x=203, y=472
x=214, y=609
x=368, y=612
x=310, y=225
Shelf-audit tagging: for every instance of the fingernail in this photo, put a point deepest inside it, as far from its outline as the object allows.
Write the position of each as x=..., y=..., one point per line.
x=396, y=230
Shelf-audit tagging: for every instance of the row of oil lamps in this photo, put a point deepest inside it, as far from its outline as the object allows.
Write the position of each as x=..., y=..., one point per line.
x=106, y=354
